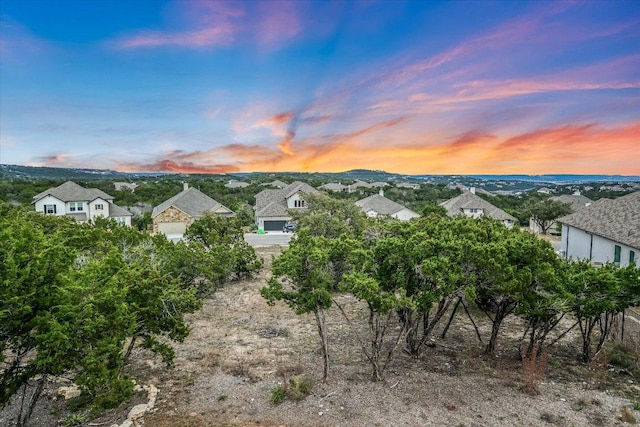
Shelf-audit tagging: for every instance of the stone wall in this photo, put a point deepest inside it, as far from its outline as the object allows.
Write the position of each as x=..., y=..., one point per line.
x=171, y=214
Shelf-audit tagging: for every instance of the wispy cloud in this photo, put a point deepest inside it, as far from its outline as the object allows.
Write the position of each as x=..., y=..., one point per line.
x=220, y=23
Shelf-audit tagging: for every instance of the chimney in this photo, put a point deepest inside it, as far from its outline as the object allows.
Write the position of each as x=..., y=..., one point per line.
x=381, y=192
x=185, y=186
x=473, y=190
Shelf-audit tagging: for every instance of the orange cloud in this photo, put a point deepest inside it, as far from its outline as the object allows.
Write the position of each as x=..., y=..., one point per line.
x=574, y=148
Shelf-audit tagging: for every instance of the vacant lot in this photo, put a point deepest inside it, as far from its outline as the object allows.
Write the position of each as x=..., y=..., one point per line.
x=240, y=347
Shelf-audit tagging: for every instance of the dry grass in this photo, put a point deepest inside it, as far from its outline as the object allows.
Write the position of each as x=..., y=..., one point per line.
x=534, y=366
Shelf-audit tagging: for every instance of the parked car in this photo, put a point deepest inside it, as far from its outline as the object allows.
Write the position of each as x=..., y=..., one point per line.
x=289, y=228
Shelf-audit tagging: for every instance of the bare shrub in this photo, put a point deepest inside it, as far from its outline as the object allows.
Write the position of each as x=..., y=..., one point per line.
x=534, y=365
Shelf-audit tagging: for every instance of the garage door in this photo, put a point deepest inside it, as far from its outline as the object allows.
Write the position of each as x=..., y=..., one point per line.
x=172, y=227
x=274, y=225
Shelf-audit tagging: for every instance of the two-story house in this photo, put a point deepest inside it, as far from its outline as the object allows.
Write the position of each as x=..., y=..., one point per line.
x=83, y=204
x=272, y=206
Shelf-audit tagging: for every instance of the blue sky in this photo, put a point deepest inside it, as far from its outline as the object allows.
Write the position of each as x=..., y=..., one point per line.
x=410, y=87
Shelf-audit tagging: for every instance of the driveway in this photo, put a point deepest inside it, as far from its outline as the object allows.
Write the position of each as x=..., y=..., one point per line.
x=271, y=238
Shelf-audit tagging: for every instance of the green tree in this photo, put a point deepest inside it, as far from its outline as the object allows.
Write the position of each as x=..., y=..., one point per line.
x=597, y=299
x=72, y=294
x=544, y=212
x=224, y=238
x=330, y=217
x=301, y=277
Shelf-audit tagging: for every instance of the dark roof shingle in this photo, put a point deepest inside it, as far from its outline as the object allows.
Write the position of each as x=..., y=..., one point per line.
x=617, y=219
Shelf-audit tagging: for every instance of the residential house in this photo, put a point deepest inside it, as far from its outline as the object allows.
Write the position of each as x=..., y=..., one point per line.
x=236, y=184
x=545, y=190
x=378, y=205
x=605, y=231
x=412, y=185
x=119, y=186
x=333, y=186
x=173, y=216
x=83, y=204
x=471, y=205
x=575, y=202
x=276, y=184
x=361, y=184
x=272, y=206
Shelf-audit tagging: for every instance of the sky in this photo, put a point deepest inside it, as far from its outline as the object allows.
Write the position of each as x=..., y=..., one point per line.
x=415, y=87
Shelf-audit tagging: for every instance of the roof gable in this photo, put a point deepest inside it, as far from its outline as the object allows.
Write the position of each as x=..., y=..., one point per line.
x=72, y=192
x=468, y=200
x=274, y=202
x=192, y=202
x=379, y=204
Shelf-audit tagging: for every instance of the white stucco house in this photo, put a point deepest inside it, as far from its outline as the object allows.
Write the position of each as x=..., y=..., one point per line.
x=605, y=231
x=471, y=205
x=378, y=205
x=173, y=216
x=83, y=204
x=272, y=206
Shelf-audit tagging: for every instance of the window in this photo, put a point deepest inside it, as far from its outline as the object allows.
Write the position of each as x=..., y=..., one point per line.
x=616, y=255
x=50, y=209
x=99, y=207
x=298, y=203
x=632, y=257
x=75, y=206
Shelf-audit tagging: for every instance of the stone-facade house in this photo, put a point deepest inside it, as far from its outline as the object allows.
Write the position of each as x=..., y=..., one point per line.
x=175, y=215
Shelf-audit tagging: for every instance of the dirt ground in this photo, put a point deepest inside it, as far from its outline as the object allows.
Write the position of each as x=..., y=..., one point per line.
x=225, y=371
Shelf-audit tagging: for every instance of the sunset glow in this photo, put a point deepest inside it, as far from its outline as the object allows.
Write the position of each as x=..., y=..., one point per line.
x=239, y=86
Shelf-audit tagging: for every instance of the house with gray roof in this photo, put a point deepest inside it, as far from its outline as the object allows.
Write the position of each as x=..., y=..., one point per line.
x=471, y=205
x=605, y=231
x=272, y=206
x=236, y=184
x=83, y=204
x=377, y=205
x=333, y=186
x=173, y=216
x=277, y=184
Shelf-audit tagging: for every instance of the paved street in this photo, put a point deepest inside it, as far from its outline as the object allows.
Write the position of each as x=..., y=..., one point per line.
x=268, y=239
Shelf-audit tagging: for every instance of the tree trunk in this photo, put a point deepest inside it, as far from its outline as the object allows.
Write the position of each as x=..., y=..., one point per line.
x=324, y=344
x=24, y=415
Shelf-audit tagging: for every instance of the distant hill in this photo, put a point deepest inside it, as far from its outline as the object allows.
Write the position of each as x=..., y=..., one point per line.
x=30, y=172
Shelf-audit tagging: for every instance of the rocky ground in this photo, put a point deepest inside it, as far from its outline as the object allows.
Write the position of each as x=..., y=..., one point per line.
x=240, y=347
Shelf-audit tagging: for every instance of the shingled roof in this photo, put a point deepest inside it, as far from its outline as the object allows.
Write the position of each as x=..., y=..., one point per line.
x=575, y=201
x=72, y=192
x=379, y=204
x=468, y=200
x=617, y=220
x=273, y=203
x=191, y=201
